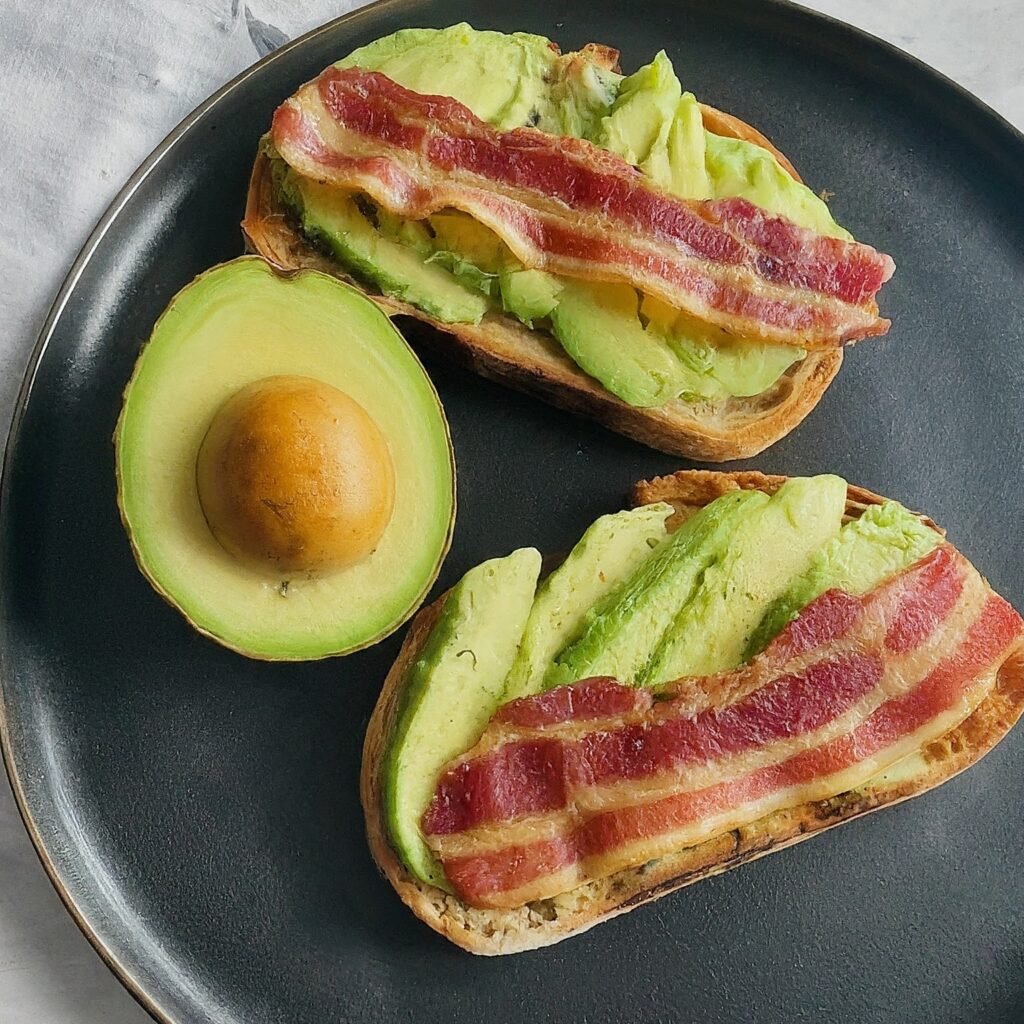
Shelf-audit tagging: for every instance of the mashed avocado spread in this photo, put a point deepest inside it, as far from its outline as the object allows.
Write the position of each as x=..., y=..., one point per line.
x=457, y=270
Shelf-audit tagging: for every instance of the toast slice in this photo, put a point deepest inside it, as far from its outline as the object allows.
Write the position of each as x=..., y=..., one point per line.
x=493, y=932
x=503, y=349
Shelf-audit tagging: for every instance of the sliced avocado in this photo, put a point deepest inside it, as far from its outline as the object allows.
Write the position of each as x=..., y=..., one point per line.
x=641, y=116
x=741, y=368
x=529, y=295
x=599, y=327
x=602, y=327
x=608, y=553
x=773, y=544
x=459, y=233
x=656, y=127
x=451, y=692
x=237, y=326
x=884, y=540
x=502, y=77
x=680, y=167
x=719, y=364
x=395, y=267
x=620, y=634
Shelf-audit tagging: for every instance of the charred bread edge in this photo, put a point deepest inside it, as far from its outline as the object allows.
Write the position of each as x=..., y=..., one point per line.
x=493, y=932
x=501, y=348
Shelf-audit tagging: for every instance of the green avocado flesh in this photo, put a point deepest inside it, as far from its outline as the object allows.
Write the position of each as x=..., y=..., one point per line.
x=529, y=294
x=456, y=270
x=772, y=545
x=238, y=323
x=451, y=692
x=634, y=604
x=622, y=633
x=607, y=554
x=598, y=324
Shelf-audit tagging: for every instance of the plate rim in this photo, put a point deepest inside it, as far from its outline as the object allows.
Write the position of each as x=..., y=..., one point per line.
x=849, y=35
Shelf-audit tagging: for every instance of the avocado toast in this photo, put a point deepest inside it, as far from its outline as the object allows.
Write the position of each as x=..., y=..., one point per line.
x=877, y=550
x=580, y=333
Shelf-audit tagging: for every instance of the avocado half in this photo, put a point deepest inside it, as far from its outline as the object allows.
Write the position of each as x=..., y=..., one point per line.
x=237, y=324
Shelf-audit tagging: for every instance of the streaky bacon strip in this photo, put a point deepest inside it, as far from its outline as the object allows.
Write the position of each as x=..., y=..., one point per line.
x=574, y=208
x=923, y=606
x=547, y=801
x=825, y=620
x=601, y=698
x=546, y=771
x=529, y=159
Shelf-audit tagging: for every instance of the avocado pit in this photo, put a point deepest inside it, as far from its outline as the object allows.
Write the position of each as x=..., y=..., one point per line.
x=294, y=475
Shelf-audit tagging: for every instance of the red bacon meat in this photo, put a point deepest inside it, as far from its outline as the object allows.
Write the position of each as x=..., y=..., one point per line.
x=582, y=781
x=568, y=206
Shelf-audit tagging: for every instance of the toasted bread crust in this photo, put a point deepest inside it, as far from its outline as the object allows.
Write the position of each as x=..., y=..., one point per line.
x=501, y=348
x=493, y=932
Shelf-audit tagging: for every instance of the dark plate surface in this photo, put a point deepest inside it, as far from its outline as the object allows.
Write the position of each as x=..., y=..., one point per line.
x=199, y=811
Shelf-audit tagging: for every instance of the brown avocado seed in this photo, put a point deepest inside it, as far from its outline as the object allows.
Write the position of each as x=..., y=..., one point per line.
x=293, y=475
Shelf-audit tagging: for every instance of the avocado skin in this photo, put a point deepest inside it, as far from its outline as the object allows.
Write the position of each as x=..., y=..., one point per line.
x=451, y=692
x=604, y=557
x=884, y=540
x=774, y=544
x=622, y=633
x=396, y=266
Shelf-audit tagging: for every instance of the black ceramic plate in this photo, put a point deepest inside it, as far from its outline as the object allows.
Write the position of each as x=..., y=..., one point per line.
x=198, y=812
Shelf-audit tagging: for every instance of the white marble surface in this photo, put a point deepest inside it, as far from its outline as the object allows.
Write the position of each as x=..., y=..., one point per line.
x=89, y=87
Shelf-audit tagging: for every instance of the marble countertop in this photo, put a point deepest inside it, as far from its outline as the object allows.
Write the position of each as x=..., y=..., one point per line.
x=98, y=84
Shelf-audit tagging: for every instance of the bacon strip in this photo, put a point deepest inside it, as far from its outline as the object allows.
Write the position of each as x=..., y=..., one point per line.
x=583, y=781
x=601, y=698
x=573, y=208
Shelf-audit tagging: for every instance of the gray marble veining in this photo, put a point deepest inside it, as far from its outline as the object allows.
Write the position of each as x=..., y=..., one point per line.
x=89, y=87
